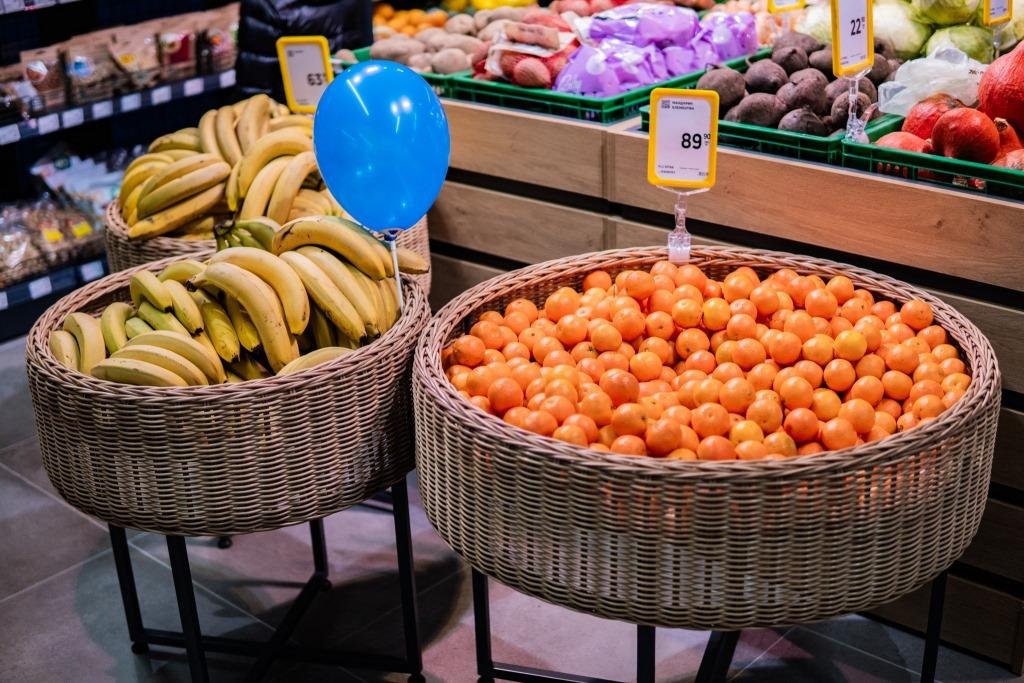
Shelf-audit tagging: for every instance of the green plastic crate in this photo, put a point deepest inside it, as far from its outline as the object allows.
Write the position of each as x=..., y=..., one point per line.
x=595, y=109
x=439, y=82
x=931, y=168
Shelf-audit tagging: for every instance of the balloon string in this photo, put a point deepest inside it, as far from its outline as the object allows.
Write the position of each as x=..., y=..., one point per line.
x=391, y=237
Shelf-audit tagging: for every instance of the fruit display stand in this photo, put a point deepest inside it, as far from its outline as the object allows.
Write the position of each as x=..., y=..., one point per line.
x=231, y=459
x=525, y=188
x=701, y=545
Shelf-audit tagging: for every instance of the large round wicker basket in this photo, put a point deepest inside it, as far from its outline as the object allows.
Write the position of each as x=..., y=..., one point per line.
x=125, y=253
x=230, y=458
x=701, y=545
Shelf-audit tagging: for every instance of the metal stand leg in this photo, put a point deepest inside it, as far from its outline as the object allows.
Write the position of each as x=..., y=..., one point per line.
x=129, y=595
x=224, y=542
x=931, y=641
x=407, y=580
x=187, y=608
x=714, y=667
x=645, y=654
x=319, y=543
x=482, y=624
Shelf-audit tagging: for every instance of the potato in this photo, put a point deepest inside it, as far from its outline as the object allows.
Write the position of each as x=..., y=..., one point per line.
x=426, y=34
x=450, y=60
x=490, y=32
x=460, y=42
x=421, y=62
x=460, y=23
x=483, y=18
x=396, y=49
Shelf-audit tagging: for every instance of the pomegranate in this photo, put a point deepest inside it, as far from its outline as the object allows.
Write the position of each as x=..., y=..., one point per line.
x=922, y=116
x=1001, y=90
x=966, y=134
x=906, y=141
x=1008, y=140
x=1013, y=160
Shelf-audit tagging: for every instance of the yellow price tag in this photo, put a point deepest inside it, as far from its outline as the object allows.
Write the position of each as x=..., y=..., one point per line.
x=780, y=6
x=305, y=69
x=853, y=37
x=683, y=144
x=997, y=12
x=52, y=235
x=81, y=229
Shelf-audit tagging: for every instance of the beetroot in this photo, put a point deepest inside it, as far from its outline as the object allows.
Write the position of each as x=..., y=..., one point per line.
x=924, y=114
x=1008, y=140
x=1001, y=90
x=966, y=134
x=1014, y=160
x=905, y=141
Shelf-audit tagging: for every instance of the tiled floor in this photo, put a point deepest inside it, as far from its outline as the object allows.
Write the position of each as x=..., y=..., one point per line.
x=61, y=617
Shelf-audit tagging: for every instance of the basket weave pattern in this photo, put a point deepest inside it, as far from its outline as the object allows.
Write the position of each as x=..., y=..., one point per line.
x=724, y=545
x=231, y=458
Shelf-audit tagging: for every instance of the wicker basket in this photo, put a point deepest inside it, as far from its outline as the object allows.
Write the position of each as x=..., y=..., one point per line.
x=722, y=545
x=231, y=458
x=124, y=253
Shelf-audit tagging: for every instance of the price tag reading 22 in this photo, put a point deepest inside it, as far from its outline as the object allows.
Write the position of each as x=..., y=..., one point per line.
x=305, y=69
x=853, y=36
x=997, y=11
x=682, y=149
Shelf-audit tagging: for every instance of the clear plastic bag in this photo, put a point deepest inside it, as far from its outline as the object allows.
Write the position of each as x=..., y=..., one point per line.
x=947, y=71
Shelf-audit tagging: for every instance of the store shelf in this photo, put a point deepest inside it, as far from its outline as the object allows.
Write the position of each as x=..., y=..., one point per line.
x=23, y=302
x=17, y=6
x=94, y=111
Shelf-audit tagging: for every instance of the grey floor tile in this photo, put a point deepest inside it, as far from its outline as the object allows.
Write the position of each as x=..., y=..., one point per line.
x=15, y=405
x=40, y=536
x=25, y=459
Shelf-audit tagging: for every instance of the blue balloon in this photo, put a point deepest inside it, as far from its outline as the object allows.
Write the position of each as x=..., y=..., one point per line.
x=381, y=140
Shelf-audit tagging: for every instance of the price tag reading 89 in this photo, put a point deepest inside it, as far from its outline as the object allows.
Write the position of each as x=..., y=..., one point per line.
x=682, y=149
x=997, y=11
x=853, y=37
x=305, y=69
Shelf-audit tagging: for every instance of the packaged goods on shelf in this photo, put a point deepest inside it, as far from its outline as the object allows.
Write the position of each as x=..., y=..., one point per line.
x=38, y=236
x=44, y=71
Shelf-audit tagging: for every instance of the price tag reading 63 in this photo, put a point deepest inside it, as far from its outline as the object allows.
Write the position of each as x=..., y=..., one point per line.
x=853, y=37
x=681, y=151
x=997, y=11
x=305, y=70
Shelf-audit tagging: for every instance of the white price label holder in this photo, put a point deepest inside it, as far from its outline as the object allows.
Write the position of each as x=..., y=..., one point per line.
x=682, y=152
x=131, y=101
x=160, y=95
x=72, y=117
x=102, y=110
x=305, y=69
x=193, y=87
x=997, y=14
x=853, y=53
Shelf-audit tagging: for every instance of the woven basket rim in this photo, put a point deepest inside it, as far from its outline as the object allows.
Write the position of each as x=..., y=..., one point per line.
x=37, y=351
x=117, y=225
x=429, y=374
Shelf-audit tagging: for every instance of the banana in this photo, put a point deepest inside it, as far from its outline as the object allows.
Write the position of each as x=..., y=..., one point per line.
x=133, y=327
x=177, y=215
x=336, y=209
x=168, y=360
x=411, y=263
x=252, y=122
x=145, y=159
x=262, y=305
x=390, y=295
x=217, y=324
x=369, y=286
x=270, y=146
x=326, y=295
x=227, y=141
x=288, y=185
x=112, y=325
x=248, y=369
x=88, y=334
x=262, y=230
x=232, y=240
x=314, y=358
x=276, y=273
x=296, y=120
x=246, y=331
x=181, y=168
x=246, y=239
x=176, y=154
x=322, y=329
x=191, y=130
x=256, y=199
x=175, y=191
x=129, y=211
x=181, y=271
x=199, y=229
x=237, y=107
x=313, y=200
x=336, y=234
x=231, y=193
x=346, y=284
x=64, y=348
x=200, y=296
x=129, y=371
x=296, y=213
x=182, y=139
x=204, y=341
x=233, y=378
x=183, y=345
x=185, y=309
x=382, y=249
x=145, y=285
x=208, y=134
x=305, y=341
x=136, y=177
x=282, y=109
x=159, y=320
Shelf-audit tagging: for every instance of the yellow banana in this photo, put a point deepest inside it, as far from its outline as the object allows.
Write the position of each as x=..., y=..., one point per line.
x=176, y=154
x=326, y=295
x=186, y=140
x=291, y=120
x=177, y=215
x=238, y=107
x=302, y=206
x=231, y=192
x=136, y=177
x=204, y=341
x=159, y=320
x=270, y=146
x=130, y=371
x=175, y=191
x=89, y=337
x=282, y=109
x=276, y=273
x=288, y=185
x=369, y=286
x=411, y=263
x=336, y=234
x=208, y=134
x=248, y=369
x=389, y=293
x=190, y=130
x=256, y=199
x=198, y=229
x=252, y=122
x=314, y=358
x=181, y=270
x=217, y=324
x=187, y=347
x=129, y=210
x=262, y=305
x=185, y=309
x=248, y=336
x=233, y=378
x=112, y=325
x=181, y=168
x=168, y=360
x=336, y=209
x=322, y=329
x=382, y=249
x=261, y=228
x=64, y=348
x=227, y=141
x=145, y=285
x=346, y=284
x=316, y=199
x=146, y=159
x=133, y=327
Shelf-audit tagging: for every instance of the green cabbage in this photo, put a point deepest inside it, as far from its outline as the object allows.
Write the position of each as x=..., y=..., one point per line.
x=945, y=12
x=816, y=22
x=974, y=41
x=894, y=21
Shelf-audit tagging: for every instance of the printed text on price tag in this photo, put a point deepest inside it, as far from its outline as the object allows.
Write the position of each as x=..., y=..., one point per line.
x=682, y=149
x=853, y=36
x=305, y=69
x=997, y=11
x=779, y=6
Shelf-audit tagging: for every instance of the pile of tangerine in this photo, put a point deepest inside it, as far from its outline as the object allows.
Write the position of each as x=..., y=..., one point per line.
x=670, y=363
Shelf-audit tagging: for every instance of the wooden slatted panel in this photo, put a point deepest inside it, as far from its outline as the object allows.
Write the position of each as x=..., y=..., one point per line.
x=453, y=276
x=997, y=548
